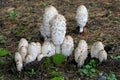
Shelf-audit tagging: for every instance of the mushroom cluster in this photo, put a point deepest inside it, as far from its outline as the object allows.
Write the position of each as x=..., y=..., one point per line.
x=53, y=29
x=97, y=51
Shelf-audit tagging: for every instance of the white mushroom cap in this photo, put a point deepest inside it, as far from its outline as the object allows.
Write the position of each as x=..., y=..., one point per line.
x=97, y=46
x=48, y=49
x=81, y=17
x=18, y=61
x=23, y=42
x=58, y=30
x=33, y=50
x=49, y=14
x=39, y=57
x=67, y=46
x=81, y=52
x=29, y=58
x=23, y=52
x=102, y=55
x=39, y=47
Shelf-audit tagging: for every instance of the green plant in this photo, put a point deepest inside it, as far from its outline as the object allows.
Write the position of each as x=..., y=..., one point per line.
x=110, y=14
x=90, y=69
x=47, y=62
x=58, y=59
x=45, y=4
x=3, y=52
x=2, y=62
x=58, y=78
x=13, y=15
x=31, y=73
x=2, y=41
x=115, y=57
x=55, y=73
x=1, y=76
x=111, y=77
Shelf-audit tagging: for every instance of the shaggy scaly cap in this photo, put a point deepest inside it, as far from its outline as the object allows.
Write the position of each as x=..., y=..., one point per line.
x=23, y=42
x=67, y=46
x=49, y=14
x=81, y=17
x=58, y=30
x=97, y=46
x=81, y=52
x=48, y=49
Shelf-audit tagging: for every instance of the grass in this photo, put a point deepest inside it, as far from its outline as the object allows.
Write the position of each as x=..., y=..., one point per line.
x=115, y=57
x=3, y=52
x=45, y=4
x=31, y=73
x=13, y=15
x=58, y=78
x=2, y=41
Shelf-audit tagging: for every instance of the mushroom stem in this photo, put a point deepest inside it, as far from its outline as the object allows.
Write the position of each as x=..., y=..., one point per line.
x=58, y=49
x=81, y=29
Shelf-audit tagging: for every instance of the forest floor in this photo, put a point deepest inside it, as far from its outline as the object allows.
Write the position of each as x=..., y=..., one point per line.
x=103, y=25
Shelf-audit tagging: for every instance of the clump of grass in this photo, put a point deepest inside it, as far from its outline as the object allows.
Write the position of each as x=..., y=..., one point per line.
x=13, y=15
x=58, y=78
x=45, y=4
x=3, y=52
x=31, y=73
x=2, y=41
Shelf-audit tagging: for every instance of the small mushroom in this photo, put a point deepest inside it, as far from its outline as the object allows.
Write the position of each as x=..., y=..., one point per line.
x=58, y=31
x=18, y=61
x=67, y=46
x=102, y=55
x=32, y=52
x=81, y=53
x=96, y=47
x=49, y=14
x=23, y=42
x=29, y=58
x=48, y=49
x=23, y=52
x=39, y=57
x=81, y=17
x=39, y=47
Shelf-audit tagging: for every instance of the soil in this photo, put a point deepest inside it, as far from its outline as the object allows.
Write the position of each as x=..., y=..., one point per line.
x=103, y=25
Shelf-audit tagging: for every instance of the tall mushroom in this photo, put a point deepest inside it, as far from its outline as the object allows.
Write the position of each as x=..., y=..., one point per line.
x=81, y=17
x=67, y=46
x=18, y=61
x=97, y=51
x=81, y=53
x=58, y=31
x=49, y=14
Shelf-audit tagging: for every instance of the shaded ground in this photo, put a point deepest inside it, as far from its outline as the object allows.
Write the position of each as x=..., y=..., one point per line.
x=103, y=25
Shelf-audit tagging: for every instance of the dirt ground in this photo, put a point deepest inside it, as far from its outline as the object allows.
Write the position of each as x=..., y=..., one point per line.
x=103, y=25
